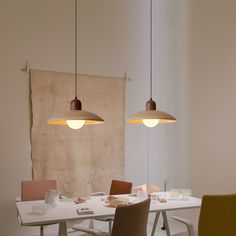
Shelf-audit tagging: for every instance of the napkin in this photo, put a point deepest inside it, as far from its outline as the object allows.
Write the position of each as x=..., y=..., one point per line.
x=84, y=211
x=146, y=188
x=40, y=209
x=115, y=201
x=80, y=200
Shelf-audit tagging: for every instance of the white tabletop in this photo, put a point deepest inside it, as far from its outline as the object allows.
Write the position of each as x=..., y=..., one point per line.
x=66, y=210
x=171, y=205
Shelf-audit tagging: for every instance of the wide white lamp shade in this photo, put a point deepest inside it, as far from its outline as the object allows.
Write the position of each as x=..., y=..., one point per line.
x=88, y=118
x=163, y=117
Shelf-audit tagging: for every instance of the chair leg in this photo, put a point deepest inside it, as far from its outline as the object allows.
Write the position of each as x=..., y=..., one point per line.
x=41, y=230
x=110, y=226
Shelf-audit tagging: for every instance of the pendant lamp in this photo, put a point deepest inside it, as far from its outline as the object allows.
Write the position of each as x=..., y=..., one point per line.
x=151, y=116
x=76, y=118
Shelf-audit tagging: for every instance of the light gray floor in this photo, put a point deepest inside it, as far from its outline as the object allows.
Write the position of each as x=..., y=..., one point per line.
x=174, y=227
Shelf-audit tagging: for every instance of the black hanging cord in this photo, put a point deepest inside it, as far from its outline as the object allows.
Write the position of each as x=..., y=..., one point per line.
x=76, y=48
x=151, y=49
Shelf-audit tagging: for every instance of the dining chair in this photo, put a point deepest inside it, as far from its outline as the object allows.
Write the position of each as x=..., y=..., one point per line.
x=217, y=217
x=117, y=187
x=129, y=220
x=35, y=190
x=120, y=187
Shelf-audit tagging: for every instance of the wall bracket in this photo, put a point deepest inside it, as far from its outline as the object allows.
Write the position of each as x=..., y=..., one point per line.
x=26, y=68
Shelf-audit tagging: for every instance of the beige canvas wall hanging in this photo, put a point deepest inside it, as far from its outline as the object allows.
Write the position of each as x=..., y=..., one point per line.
x=83, y=160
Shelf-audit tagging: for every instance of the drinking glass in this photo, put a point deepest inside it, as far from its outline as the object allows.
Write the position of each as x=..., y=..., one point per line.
x=174, y=194
x=142, y=195
x=154, y=198
x=186, y=193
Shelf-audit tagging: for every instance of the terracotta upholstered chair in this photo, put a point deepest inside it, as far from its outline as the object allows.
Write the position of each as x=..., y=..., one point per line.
x=120, y=187
x=117, y=187
x=35, y=190
x=130, y=220
x=217, y=217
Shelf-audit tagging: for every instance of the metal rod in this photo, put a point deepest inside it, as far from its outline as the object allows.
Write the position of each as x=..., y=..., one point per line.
x=155, y=223
x=148, y=158
x=76, y=48
x=150, y=48
x=165, y=220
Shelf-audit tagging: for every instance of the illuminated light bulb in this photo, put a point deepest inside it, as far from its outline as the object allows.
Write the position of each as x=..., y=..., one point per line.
x=150, y=122
x=75, y=124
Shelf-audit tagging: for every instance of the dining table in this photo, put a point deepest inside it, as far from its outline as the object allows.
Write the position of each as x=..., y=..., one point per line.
x=32, y=213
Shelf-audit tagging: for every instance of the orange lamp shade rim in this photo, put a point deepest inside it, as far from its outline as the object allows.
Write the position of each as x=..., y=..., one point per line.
x=163, y=117
x=89, y=118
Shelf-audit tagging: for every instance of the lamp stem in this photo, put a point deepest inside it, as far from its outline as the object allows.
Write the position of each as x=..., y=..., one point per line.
x=150, y=48
x=76, y=48
x=148, y=158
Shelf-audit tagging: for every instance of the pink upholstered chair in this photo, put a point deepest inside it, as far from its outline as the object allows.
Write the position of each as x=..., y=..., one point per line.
x=35, y=190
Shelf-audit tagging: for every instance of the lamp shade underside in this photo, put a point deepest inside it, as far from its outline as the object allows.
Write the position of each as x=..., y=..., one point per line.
x=88, y=117
x=163, y=117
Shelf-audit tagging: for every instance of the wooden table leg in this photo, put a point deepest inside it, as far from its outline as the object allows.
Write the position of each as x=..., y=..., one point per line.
x=166, y=223
x=155, y=223
x=62, y=229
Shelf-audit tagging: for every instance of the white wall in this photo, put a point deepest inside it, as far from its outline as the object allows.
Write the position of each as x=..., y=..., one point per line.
x=209, y=132
x=159, y=142
x=113, y=39
x=211, y=87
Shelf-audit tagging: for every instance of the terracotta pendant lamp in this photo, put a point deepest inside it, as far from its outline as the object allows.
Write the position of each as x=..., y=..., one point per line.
x=76, y=118
x=151, y=116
